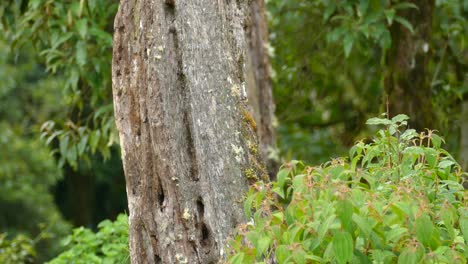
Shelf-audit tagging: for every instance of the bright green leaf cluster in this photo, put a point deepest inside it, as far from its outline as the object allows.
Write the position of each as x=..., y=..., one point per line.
x=108, y=246
x=20, y=249
x=396, y=199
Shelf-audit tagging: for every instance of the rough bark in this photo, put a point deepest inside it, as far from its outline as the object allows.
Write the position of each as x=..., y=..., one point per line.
x=407, y=82
x=259, y=85
x=188, y=140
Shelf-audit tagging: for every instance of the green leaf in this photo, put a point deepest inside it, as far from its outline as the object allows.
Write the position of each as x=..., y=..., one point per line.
x=343, y=247
x=82, y=27
x=329, y=10
x=63, y=145
x=405, y=23
x=345, y=212
x=405, y=5
x=363, y=225
x=81, y=53
x=414, y=150
x=389, y=15
x=348, y=42
x=94, y=140
x=263, y=245
x=446, y=163
x=409, y=257
x=248, y=205
x=395, y=234
x=400, y=118
x=238, y=258
x=464, y=227
x=378, y=121
x=282, y=253
x=281, y=176
x=436, y=141
x=299, y=256
x=82, y=145
x=409, y=134
x=424, y=229
x=431, y=156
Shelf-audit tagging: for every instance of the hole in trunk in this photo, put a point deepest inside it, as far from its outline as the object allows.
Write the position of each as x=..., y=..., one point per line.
x=161, y=197
x=157, y=259
x=205, y=232
x=200, y=208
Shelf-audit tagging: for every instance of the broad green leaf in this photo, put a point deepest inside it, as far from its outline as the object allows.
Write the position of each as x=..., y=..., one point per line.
x=446, y=163
x=299, y=256
x=282, y=253
x=400, y=118
x=82, y=27
x=395, y=234
x=409, y=134
x=464, y=227
x=329, y=10
x=238, y=258
x=281, y=176
x=409, y=256
x=378, y=121
x=343, y=247
x=436, y=141
x=414, y=150
x=263, y=245
x=345, y=212
x=363, y=225
x=431, y=156
x=405, y=23
x=424, y=229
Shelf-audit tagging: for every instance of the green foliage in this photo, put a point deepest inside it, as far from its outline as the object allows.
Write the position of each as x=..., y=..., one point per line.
x=27, y=167
x=334, y=94
x=20, y=249
x=398, y=199
x=108, y=245
x=366, y=21
x=74, y=41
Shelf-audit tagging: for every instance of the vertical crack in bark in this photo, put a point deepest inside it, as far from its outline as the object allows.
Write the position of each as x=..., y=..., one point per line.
x=182, y=85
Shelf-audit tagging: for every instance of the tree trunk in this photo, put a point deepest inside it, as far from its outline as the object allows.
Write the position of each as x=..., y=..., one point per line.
x=407, y=81
x=259, y=86
x=188, y=140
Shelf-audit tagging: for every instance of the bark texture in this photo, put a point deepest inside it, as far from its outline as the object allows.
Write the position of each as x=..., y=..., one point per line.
x=259, y=83
x=407, y=82
x=188, y=139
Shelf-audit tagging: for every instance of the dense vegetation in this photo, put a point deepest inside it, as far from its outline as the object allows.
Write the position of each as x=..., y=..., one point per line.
x=396, y=199
x=60, y=165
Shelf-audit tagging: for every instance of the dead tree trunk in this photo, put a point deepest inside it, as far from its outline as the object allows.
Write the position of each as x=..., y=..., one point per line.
x=407, y=81
x=188, y=140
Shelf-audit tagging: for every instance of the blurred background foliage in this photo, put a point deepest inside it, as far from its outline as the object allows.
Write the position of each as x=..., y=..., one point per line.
x=329, y=58
x=59, y=160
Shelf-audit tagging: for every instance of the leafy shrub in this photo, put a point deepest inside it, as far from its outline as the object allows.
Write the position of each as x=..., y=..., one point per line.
x=20, y=249
x=108, y=245
x=398, y=199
